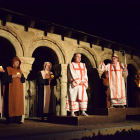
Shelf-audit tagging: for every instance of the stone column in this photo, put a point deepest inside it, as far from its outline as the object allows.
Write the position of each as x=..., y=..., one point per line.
x=63, y=82
x=61, y=88
x=26, y=66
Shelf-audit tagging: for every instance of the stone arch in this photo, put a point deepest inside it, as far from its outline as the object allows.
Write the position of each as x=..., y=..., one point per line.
x=50, y=44
x=133, y=63
x=92, y=57
x=14, y=41
x=56, y=52
x=105, y=55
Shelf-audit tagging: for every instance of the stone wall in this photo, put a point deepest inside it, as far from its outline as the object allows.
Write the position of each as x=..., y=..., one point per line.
x=25, y=44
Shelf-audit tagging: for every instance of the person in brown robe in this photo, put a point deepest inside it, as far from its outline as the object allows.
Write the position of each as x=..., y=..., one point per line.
x=1, y=89
x=45, y=79
x=13, y=103
x=105, y=79
x=137, y=89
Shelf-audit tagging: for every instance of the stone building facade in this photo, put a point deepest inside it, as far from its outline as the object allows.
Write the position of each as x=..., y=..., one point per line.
x=34, y=47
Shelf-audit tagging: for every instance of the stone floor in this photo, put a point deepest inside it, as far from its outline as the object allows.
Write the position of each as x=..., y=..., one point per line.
x=33, y=128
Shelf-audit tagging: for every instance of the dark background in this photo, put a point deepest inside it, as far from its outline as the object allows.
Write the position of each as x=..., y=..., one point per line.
x=115, y=20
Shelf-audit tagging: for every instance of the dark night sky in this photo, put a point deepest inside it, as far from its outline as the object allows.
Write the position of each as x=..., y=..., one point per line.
x=116, y=20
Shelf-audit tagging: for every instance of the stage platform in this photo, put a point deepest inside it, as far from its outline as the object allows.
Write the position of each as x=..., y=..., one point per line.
x=114, y=111
x=98, y=116
x=86, y=120
x=35, y=129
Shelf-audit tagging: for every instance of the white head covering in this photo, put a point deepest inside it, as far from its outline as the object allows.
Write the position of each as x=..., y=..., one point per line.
x=115, y=55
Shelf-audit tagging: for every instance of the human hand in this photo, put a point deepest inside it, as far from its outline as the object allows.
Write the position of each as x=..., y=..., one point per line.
x=81, y=83
x=102, y=63
x=125, y=65
x=2, y=70
x=51, y=77
x=18, y=75
x=14, y=76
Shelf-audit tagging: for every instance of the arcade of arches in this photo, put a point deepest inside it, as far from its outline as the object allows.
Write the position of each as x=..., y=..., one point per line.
x=33, y=48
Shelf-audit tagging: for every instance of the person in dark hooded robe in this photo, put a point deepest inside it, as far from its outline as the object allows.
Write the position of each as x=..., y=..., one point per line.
x=105, y=80
x=137, y=89
x=1, y=89
x=13, y=100
x=45, y=81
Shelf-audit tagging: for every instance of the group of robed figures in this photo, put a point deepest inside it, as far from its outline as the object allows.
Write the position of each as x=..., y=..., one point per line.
x=12, y=80
x=11, y=88
x=77, y=98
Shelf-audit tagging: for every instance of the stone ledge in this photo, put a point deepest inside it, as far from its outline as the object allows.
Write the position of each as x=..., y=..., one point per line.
x=86, y=120
x=114, y=111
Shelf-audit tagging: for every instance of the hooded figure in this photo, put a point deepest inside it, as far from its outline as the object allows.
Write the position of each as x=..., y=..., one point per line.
x=137, y=89
x=45, y=78
x=105, y=80
x=13, y=102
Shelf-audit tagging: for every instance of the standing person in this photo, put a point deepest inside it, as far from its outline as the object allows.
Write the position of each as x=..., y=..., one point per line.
x=45, y=97
x=1, y=89
x=78, y=83
x=105, y=80
x=116, y=71
x=137, y=89
x=13, y=102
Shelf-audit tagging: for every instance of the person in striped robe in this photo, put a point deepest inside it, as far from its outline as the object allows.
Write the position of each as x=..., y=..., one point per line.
x=116, y=70
x=78, y=83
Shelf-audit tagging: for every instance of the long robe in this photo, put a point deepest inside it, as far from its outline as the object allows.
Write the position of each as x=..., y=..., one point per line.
x=13, y=100
x=77, y=96
x=106, y=91
x=137, y=92
x=45, y=96
x=116, y=82
x=1, y=89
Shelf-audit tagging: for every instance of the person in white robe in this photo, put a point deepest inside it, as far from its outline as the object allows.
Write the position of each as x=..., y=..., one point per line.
x=78, y=83
x=116, y=72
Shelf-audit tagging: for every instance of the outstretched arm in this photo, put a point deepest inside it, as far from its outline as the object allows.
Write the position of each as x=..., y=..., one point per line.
x=103, y=67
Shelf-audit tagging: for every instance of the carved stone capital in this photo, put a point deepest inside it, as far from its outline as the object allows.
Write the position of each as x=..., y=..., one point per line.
x=26, y=65
x=100, y=73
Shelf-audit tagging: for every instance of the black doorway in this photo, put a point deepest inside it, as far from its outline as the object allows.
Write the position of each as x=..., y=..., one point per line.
x=41, y=55
x=7, y=52
x=130, y=85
